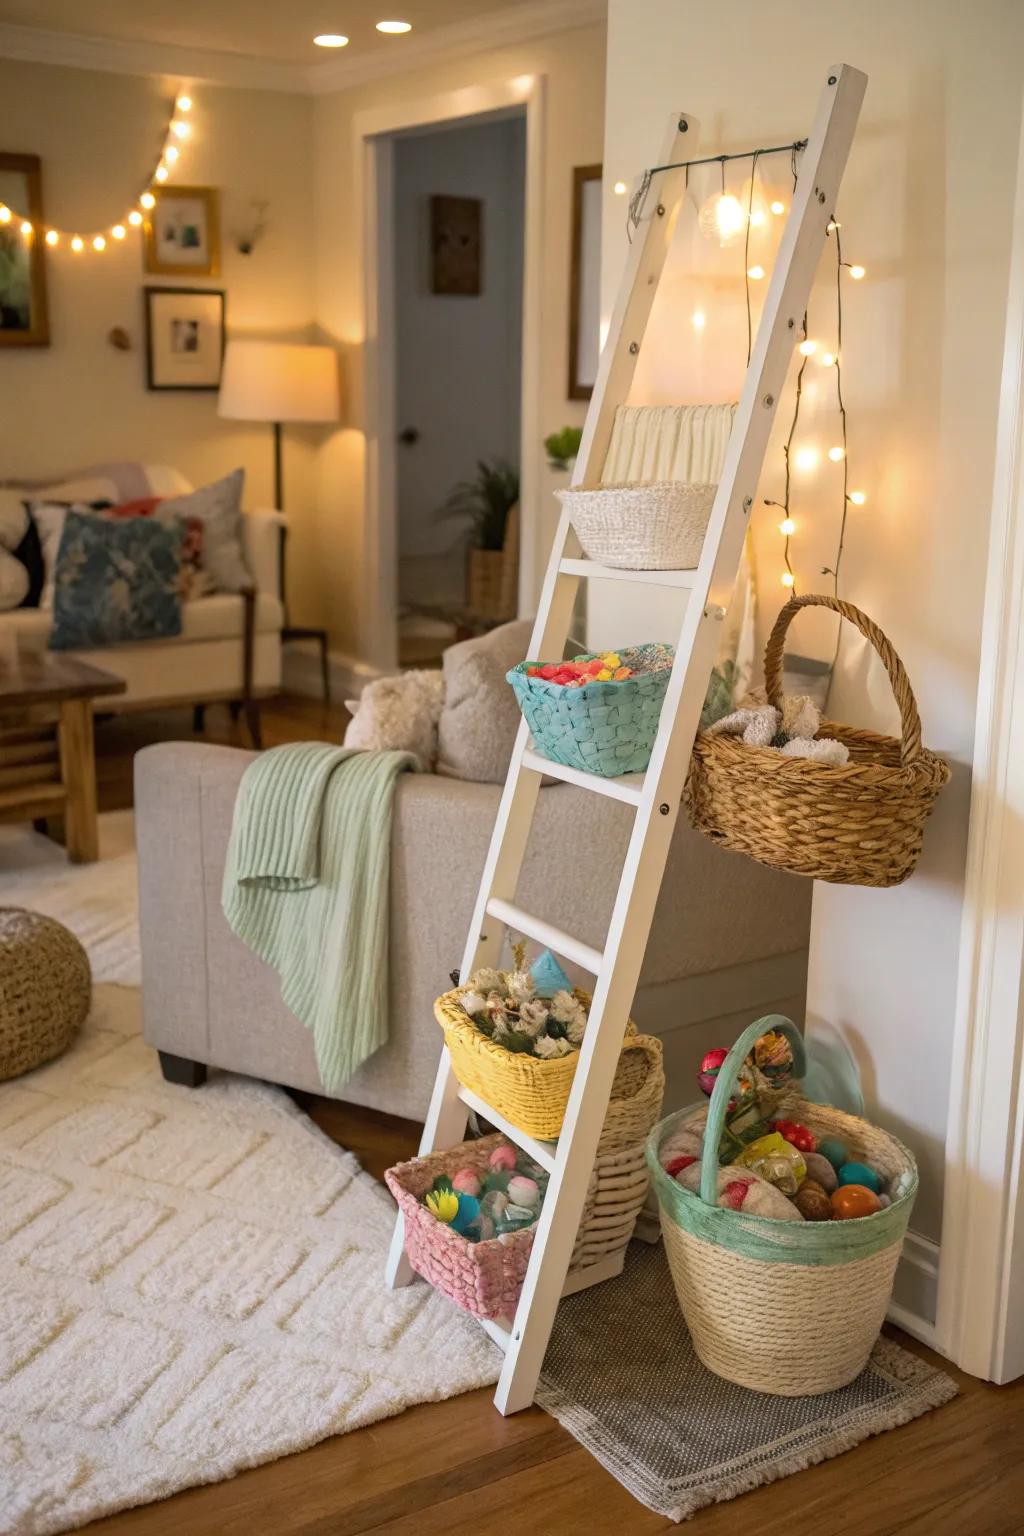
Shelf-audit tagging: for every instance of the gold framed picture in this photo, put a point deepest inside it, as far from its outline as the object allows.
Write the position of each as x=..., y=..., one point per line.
x=24, y=319
x=182, y=235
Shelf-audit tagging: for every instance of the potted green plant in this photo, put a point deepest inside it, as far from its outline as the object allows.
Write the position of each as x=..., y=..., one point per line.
x=562, y=448
x=490, y=504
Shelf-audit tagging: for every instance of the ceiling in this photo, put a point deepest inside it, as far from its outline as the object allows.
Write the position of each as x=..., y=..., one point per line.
x=260, y=29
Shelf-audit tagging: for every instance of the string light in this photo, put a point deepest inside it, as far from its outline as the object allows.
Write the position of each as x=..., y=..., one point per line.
x=857, y=271
x=805, y=458
x=858, y=498
x=778, y=207
x=700, y=319
x=837, y=454
x=827, y=359
x=757, y=218
x=620, y=189
x=176, y=129
x=807, y=348
x=756, y=272
x=787, y=527
x=788, y=579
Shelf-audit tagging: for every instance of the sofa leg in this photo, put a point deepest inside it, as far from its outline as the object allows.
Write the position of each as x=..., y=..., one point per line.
x=198, y=719
x=179, y=1069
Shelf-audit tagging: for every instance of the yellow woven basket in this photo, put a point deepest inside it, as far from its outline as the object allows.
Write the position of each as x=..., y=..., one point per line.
x=531, y=1093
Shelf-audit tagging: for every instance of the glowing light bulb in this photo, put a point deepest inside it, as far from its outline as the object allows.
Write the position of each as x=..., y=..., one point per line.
x=394, y=28
x=787, y=578
x=700, y=319
x=183, y=104
x=52, y=237
x=171, y=153
x=808, y=347
x=99, y=244
x=757, y=217
x=331, y=40
x=160, y=174
x=805, y=458
x=787, y=527
x=135, y=218
x=77, y=243
x=857, y=272
x=778, y=207
x=837, y=454
x=5, y=214
x=118, y=231
x=722, y=218
x=147, y=200
x=832, y=226
x=827, y=359
x=756, y=272
x=619, y=188
x=858, y=498
x=180, y=130
x=26, y=227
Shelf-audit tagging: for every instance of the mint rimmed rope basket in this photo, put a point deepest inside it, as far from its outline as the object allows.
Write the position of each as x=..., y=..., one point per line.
x=861, y=824
x=786, y=1307
x=606, y=728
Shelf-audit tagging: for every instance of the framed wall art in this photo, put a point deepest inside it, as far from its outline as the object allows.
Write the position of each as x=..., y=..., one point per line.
x=182, y=234
x=585, y=281
x=456, y=245
x=184, y=337
x=24, y=320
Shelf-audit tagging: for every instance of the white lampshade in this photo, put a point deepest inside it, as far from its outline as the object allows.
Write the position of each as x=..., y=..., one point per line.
x=279, y=381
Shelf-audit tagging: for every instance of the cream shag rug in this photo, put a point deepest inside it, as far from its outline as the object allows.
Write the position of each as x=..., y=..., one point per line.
x=191, y=1282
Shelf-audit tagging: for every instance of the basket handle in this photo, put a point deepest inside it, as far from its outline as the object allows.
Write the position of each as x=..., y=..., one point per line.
x=726, y=1082
x=910, y=743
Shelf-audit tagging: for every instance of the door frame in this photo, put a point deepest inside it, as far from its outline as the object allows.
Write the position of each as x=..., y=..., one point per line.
x=374, y=135
x=980, y=1317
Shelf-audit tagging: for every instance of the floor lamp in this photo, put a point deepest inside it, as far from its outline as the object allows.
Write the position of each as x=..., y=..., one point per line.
x=282, y=382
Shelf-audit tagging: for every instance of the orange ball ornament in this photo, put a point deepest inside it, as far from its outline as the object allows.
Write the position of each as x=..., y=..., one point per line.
x=853, y=1200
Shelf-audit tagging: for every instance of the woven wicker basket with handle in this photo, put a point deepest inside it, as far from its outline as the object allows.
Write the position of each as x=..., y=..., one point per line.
x=861, y=824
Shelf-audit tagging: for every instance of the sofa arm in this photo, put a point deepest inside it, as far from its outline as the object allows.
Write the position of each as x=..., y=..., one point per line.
x=261, y=541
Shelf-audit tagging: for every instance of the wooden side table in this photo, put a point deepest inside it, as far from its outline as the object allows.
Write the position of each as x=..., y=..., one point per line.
x=47, y=756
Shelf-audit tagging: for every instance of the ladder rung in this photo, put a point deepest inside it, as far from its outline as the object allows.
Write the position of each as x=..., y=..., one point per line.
x=542, y=1152
x=627, y=787
x=591, y=569
x=498, y=1330
x=593, y=1274
x=546, y=934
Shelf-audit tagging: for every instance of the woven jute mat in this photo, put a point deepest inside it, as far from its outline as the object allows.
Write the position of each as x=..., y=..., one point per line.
x=622, y=1376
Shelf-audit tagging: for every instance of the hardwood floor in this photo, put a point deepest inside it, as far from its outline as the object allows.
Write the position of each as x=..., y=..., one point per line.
x=459, y=1469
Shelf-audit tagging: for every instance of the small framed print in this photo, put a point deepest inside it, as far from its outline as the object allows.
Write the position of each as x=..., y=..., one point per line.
x=23, y=315
x=456, y=245
x=182, y=237
x=184, y=337
x=585, y=281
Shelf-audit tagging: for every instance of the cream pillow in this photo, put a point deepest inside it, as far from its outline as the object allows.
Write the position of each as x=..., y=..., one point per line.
x=13, y=582
x=478, y=724
x=399, y=714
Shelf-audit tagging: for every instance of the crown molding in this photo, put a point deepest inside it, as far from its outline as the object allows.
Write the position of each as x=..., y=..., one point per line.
x=518, y=23
x=497, y=29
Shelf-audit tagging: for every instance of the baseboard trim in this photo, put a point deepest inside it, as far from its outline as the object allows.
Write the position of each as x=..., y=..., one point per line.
x=916, y=1289
x=300, y=672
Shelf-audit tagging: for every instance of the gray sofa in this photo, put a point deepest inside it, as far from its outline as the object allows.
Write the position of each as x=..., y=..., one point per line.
x=729, y=940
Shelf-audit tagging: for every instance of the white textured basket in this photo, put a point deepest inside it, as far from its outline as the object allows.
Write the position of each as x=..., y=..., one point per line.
x=658, y=527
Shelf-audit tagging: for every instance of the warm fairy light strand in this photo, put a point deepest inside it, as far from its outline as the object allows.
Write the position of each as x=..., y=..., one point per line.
x=177, y=130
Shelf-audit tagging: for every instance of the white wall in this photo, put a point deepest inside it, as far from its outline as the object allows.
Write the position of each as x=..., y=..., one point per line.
x=458, y=355
x=926, y=205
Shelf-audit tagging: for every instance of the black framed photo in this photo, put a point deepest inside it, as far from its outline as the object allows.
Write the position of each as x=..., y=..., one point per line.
x=184, y=337
x=24, y=321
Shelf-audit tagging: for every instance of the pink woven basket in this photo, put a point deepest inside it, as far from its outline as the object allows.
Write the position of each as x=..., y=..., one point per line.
x=482, y=1278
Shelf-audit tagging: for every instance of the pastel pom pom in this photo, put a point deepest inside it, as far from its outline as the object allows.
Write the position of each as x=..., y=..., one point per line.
x=467, y=1213
x=860, y=1173
x=503, y=1156
x=524, y=1191
x=444, y=1204
x=465, y=1182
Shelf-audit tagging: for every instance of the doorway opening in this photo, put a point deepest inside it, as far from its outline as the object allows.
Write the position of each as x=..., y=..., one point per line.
x=457, y=265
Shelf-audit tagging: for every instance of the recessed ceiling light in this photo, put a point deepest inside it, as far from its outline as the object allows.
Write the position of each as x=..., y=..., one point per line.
x=331, y=40
x=394, y=26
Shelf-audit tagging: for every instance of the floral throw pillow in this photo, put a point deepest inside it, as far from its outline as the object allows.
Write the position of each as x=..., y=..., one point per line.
x=116, y=581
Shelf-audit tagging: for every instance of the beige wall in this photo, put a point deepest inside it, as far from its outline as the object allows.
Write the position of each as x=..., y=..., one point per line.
x=573, y=66
x=926, y=205
x=78, y=400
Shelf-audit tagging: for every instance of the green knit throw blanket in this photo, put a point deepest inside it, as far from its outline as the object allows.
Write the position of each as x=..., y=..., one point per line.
x=306, y=887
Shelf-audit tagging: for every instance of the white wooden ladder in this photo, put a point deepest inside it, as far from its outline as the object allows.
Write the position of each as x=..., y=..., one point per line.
x=655, y=795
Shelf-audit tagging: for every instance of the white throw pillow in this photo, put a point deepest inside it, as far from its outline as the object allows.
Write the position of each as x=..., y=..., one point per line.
x=399, y=714
x=13, y=519
x=13, y=582
x=49, y=520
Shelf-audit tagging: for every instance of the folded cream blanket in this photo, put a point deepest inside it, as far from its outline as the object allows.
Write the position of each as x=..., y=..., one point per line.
x=306, y=886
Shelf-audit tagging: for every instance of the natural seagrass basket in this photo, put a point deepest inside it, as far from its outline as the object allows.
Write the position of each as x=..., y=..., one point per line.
x=787, y=1307
x=861, y=824
x=530, y=1092
x=654, y=527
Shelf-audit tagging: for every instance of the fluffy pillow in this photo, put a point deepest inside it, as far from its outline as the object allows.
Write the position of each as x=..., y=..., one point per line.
x=218, y=508
x=399, y=714
x=115, y=581
x=14, y=575
x=13, y=582
x=480, y=718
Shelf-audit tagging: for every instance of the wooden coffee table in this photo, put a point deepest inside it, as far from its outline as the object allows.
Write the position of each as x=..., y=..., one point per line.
x=47, y=763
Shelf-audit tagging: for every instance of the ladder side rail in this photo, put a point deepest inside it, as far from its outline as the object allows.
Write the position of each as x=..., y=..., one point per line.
x=647, y=853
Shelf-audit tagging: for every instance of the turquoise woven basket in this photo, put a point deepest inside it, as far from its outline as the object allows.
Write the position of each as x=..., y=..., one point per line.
x=604, y=728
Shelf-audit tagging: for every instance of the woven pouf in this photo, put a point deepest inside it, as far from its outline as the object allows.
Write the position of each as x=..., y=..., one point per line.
x=45, y=989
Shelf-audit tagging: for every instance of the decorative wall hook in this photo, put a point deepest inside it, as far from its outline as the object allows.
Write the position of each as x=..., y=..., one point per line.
x=246, y=239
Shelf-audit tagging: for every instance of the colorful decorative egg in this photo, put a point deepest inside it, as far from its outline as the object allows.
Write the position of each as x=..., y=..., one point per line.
x=852, y=1200
x=524, y=1191
x=860, y=1173
x=466, y=1182
x=798, y=1135
x=677, y=1164
x=821, y=1171
x=503, y=1156
x=775, y=1160
x=709, y=1069
x=835, y=1150
x=813, y=1202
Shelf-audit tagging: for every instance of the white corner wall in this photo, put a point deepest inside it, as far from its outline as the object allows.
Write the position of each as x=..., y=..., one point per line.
x=926, y=205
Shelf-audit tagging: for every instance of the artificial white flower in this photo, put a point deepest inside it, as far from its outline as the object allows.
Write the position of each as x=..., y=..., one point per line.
x=575, y=1027
x=489, y=980
x=563, y=1006
x=473, y=1002
x=547, y=1048
x=532, y=1017
x=501, y=1027
x=521, y=987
